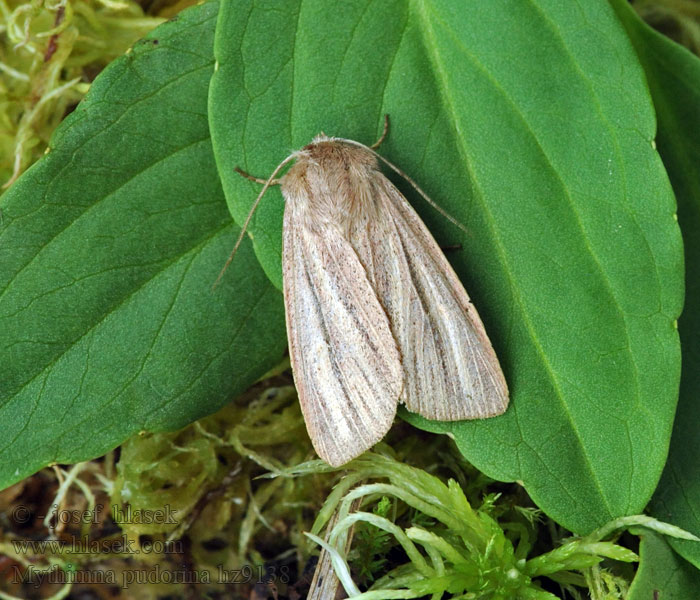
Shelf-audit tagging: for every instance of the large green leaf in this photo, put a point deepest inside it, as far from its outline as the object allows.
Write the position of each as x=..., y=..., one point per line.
x=674, y=80
x=531, y=123
x=662, y=573
x=109, y=247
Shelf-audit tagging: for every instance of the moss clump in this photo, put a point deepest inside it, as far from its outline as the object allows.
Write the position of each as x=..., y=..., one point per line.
x=50, y=51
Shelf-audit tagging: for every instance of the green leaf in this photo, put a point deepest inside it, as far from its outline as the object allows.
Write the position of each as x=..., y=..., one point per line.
x=109, y=247
x=531, y=123
x=673, y=74
x=662, y=573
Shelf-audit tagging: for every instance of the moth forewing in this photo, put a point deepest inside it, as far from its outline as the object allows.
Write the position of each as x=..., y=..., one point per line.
x=375, y=313
x=451, y=371
x=346, y=363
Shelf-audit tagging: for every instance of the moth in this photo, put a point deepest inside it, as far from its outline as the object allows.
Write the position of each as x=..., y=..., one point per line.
x=375, y=314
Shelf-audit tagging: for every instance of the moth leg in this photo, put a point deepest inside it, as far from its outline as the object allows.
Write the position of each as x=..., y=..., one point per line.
x=256, y=179
x=381, y=138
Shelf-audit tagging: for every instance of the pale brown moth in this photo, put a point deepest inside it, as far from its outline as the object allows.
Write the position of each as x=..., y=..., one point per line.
x=376, y=316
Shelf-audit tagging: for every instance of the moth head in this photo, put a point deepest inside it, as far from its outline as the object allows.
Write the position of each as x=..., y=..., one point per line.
x=328, y=152
x=320, y=138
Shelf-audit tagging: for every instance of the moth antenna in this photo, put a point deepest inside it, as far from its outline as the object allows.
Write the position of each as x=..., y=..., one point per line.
x=381, y=137
x=413, y=184
x=425, y=196
x=255, y=179
x=268, y=182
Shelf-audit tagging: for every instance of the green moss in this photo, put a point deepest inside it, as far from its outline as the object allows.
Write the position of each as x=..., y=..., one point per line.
x=440, y=543
x=50, y=52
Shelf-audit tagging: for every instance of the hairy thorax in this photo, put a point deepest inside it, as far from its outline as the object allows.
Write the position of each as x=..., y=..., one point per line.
x=333, y=184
